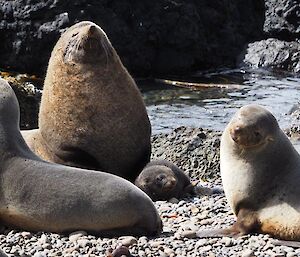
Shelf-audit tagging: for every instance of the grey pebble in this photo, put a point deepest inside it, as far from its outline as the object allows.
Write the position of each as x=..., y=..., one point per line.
x=76, y=235
x=247, y=253
x=128, y=240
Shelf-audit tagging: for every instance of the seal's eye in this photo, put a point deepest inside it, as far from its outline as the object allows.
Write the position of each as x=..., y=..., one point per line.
x=160, y=177
x=75, y=34
x=256, y=134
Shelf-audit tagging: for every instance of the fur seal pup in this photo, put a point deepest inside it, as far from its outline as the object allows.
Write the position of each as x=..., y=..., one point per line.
x=260, y=172
x=163, y=180
x=41, y=196
x=92, y=114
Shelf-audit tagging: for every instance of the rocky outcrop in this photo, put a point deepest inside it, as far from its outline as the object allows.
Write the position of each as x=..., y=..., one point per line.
x=282, y=19
x=152, y=37
x=29, y=97
x=274, y=53
x=282, y=28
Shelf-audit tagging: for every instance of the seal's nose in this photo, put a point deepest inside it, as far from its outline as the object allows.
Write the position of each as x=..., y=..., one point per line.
x=235, y=132
x=92, y=30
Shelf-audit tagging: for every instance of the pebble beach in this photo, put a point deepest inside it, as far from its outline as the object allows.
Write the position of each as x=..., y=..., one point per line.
x=196, y=151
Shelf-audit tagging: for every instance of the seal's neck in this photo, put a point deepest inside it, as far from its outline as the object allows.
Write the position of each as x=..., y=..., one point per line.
x=12, y=144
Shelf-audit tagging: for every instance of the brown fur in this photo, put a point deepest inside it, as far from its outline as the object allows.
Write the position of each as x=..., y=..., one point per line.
x=92, y=114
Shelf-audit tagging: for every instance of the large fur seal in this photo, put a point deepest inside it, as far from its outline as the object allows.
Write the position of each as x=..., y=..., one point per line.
x=260, y=172
x=37, y=195
x=92, y=114
x=163, y=180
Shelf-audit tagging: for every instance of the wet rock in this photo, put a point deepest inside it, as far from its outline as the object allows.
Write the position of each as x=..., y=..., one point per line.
x=275, y=54
x=282, y=19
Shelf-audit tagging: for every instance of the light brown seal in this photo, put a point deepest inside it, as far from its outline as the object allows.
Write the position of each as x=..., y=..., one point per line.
x=92, y=114
x=163, y=180
x=260, y=172
x=37, y=195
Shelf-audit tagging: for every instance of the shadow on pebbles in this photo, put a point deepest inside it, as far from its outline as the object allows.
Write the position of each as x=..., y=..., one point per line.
x=196, y=151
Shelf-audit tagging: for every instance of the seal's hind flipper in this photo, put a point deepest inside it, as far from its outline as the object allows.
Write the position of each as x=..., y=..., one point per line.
x=294, y=244
x=201, y=190
x=230, y=232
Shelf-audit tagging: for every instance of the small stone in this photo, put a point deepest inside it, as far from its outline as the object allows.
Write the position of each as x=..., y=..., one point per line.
x=157, y=244
x=128, y=240
x=174, y=200
x=169, y=251
x=200, y=243
x=75, y=235
x=247, y=253
x=44, y=239
x=227, y=241
x=195, y=210
x=26, y=235
x=83, y=242
x=291, y=254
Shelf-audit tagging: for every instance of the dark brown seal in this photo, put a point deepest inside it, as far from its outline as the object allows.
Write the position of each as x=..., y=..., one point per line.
x=92, y=114
x=260, y=172
x=41, y=196
x=163, y=180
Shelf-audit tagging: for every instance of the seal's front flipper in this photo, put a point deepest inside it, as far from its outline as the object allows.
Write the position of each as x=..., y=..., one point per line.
x=294, y=244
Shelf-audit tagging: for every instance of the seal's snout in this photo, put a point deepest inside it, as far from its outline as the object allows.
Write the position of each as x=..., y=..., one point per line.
x=92, y=31
x=236, y=132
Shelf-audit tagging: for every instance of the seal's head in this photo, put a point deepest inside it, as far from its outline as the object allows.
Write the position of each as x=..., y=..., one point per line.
x=252, y=126
x=85, y=42
x=157, y=181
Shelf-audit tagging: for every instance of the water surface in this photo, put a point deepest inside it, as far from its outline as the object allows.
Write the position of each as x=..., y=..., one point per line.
x=170, y=107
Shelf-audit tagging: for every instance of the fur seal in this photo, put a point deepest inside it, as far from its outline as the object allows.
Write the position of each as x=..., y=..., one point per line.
x=163, y=180
x=260, y=172
x=41, y=196
x=92, y=114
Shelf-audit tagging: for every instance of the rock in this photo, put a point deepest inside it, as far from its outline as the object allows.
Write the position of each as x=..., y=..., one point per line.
x=128, y=240
x=247, y=253
x=74, y=236
x=275, y=54
x=28, y=96
x=282, y=19
x=157, y=37
x=227, y=241
x=175, y=147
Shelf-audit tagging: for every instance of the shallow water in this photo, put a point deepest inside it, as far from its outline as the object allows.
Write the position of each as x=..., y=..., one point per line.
x=170, y=107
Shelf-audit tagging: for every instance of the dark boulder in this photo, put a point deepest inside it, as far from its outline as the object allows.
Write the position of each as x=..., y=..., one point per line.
x=152, y=37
